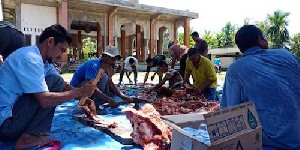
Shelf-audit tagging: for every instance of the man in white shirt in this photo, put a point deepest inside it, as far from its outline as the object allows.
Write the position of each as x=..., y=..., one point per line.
x=130, y=65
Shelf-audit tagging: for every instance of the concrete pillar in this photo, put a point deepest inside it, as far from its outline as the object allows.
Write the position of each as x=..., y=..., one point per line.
x=1, y=10
x=142, y=47
x=99, y=40
x=130, y=46
x=152, y=30
x=175, y=33
x=116, y=41
x=110, y=29
x=79, y=47
x=147, y=48
x=138, y=42
x=187, y=31
x=123, y=43
x=74, y=45
x=160, y=41
x=18, y=14
x=110, y=24
x=64, y=14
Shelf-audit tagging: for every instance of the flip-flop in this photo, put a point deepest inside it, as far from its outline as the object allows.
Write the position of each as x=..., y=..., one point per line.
x=52, y=145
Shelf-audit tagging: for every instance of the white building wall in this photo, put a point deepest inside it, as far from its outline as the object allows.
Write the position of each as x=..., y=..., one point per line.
x=1, y=10
x=34, y=19
x=168, y=25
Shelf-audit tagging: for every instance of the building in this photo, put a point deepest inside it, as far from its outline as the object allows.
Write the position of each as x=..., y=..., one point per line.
x=227, y=55
x=136, y=29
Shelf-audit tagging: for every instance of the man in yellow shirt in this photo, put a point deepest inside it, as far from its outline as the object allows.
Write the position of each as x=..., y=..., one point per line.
x=203, y=73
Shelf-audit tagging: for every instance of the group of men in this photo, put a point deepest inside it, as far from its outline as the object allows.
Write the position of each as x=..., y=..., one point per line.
x=31, y=88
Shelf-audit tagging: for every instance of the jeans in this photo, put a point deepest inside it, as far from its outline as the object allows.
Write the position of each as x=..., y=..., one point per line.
x=182, y=65
x=210, y=93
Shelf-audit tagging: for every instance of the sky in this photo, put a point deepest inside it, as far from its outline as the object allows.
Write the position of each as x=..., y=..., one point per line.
x=214, y=14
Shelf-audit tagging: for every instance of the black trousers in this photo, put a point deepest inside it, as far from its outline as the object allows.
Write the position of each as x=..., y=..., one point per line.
x=182, y=64
x=28, y=116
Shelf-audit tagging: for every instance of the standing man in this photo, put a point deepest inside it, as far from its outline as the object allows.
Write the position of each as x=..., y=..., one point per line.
x=217, y=63
x=270, y=78
x=178, y=53
x=89, y=70
x=153, y=62
x=27, y=97
x=200, y=44
x=130, y=65
x=203, y=73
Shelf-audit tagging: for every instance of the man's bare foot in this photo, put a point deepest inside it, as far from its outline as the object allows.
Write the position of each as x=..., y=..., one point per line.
x=26, y=140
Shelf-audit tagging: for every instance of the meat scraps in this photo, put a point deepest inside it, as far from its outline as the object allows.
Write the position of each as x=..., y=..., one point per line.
x=149, y=130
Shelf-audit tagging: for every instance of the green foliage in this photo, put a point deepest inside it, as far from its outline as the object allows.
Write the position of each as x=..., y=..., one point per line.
x=277, y=31
x=89, y=45
x=227, y=34
x=210, y=39
x=295, y=45
x=181, y=39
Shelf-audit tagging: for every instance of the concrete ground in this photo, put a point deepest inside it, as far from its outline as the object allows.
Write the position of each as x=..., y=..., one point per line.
x=141, y=75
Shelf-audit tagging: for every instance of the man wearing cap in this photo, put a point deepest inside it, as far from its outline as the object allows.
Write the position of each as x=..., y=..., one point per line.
x=89, y=70
x=200, y=44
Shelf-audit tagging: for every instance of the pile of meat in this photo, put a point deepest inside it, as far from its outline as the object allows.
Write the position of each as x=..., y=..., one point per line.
x=183, y=102
x=173, y=106
x=149, y=130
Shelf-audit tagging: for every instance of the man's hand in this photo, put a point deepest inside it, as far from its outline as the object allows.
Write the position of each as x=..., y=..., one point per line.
x=127, y=99
x=113, y=104
x=87, y=90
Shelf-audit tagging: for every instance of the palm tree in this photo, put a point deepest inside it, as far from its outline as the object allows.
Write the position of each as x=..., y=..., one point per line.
x=209, y=38
x=228, y=33
x=278, y=33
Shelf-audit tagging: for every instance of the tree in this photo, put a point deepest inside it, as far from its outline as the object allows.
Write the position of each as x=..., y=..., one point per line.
x=225, y=38
x=181, y=39
x=295, y=45
x=89, y=46
x=247, y=21
x=278, y=33
x=228, y=33
x=210, y=39
x=263, y=26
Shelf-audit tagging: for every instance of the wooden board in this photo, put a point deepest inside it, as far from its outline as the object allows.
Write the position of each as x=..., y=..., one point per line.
x=120, y=133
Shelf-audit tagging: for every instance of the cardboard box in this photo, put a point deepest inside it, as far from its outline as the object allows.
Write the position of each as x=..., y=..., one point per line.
x=234, y=128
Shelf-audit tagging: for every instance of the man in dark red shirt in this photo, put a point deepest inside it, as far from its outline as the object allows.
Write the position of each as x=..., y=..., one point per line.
x=200, y=44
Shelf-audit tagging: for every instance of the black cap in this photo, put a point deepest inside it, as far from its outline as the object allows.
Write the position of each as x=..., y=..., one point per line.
x=195, y=33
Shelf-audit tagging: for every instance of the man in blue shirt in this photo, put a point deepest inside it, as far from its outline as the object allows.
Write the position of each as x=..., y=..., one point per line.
x=217, y=63
x=89, y=70
x=30, y=90
x=270, y=78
